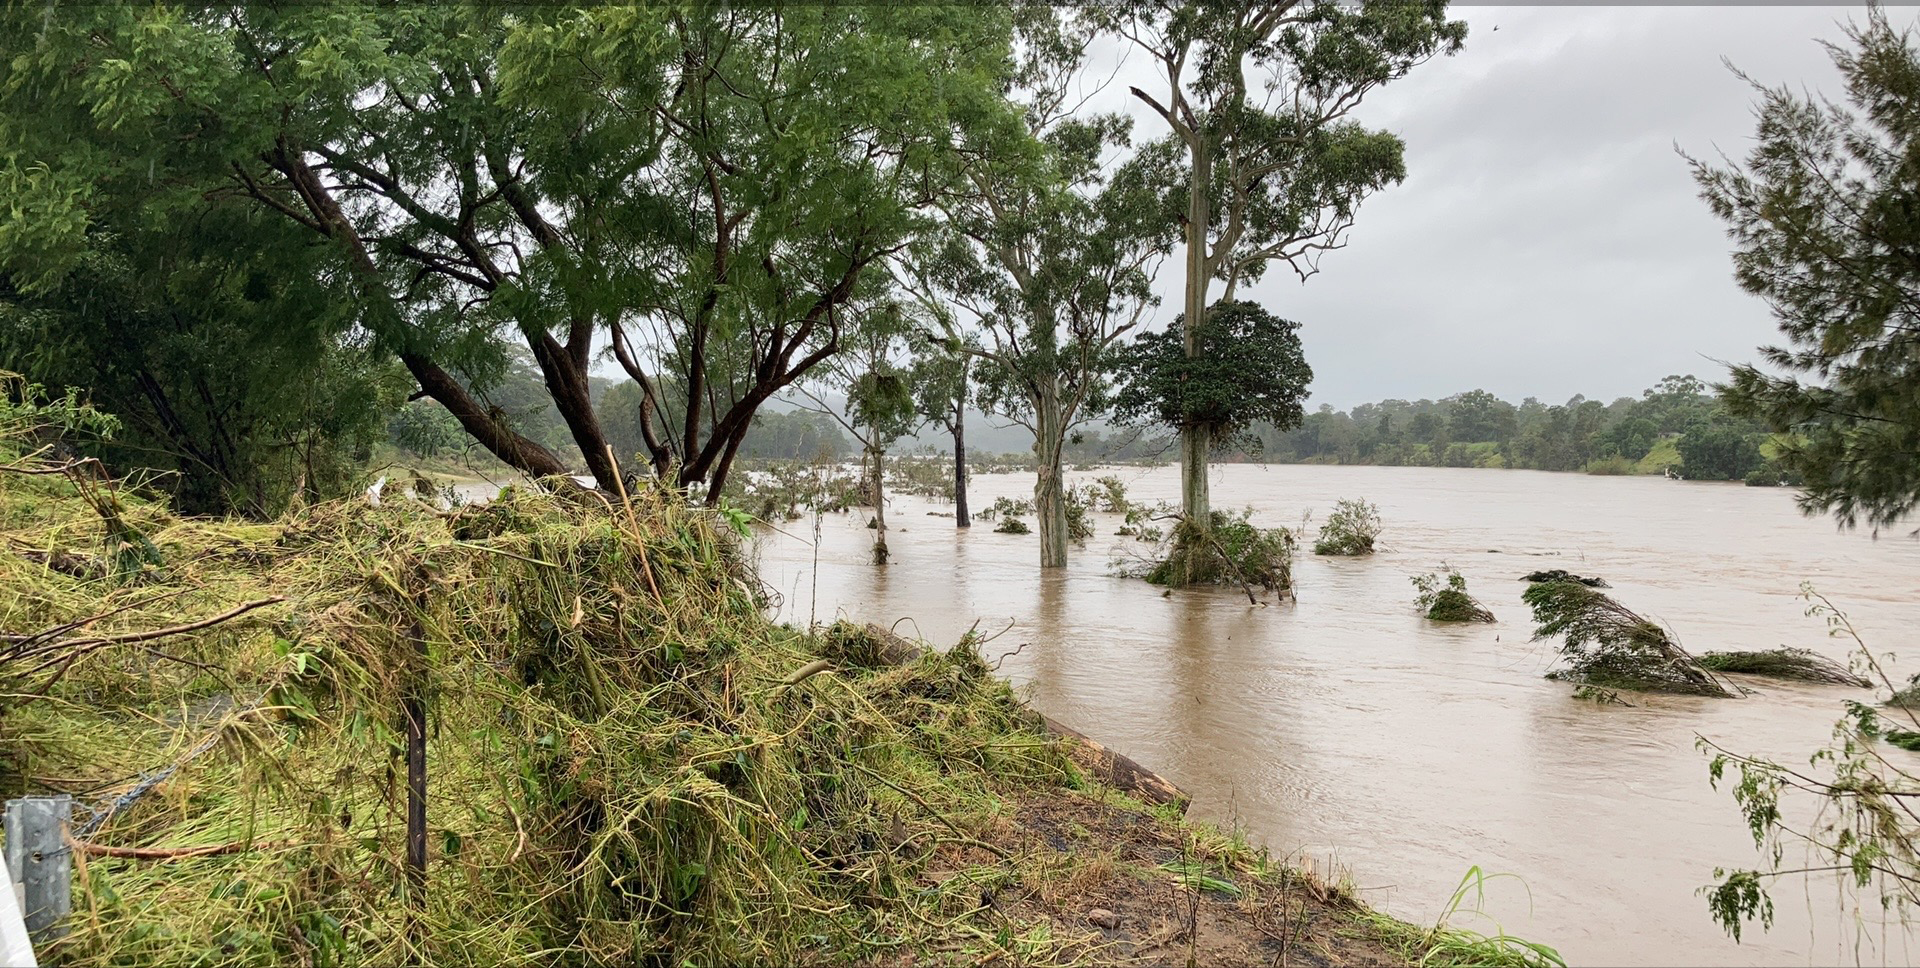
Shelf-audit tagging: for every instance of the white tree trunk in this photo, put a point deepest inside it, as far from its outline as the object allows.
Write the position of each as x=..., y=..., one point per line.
x=876, y=463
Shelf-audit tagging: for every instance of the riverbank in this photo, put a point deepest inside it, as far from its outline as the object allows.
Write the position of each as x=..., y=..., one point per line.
x=562, y=726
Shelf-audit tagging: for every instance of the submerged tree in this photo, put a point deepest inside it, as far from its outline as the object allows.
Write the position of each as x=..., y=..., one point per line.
x=943, y=389
x=1264, y=160
x=879, y=410
x=1044, y=261
x=1825, y=218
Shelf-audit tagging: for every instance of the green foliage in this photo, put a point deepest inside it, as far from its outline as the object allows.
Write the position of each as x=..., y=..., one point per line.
x=1844, y=813
x=1233, y=551
x=702, y=190
x=1247, y=368
x=1448, y=602
x=1476, y=429
x=1823, y=219
x=1800, y=665
x=222, y=349
x=1607, y=645
x=1350, y=529
x=1719, y=451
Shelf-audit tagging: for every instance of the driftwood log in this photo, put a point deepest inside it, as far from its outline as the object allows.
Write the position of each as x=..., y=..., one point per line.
x=1116, y=770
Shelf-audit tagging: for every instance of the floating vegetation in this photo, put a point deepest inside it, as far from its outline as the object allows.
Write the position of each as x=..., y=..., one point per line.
x=1906, y=739
x=1448, y=602
x=1804, y=665
x=1560, y=574
x=1350, y=530
x=1608, y=645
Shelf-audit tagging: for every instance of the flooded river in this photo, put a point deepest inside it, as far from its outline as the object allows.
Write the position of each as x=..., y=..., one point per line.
x=1346, y=728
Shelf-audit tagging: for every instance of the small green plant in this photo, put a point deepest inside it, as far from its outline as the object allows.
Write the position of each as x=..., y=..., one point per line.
x=1447, y=945
x=1109, y=494
x=1850, y=818
x=1448, y=601
x=1350, y=530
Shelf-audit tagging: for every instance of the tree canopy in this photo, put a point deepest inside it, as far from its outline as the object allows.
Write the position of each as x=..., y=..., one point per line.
x=1825, y=219
x=1248, y=368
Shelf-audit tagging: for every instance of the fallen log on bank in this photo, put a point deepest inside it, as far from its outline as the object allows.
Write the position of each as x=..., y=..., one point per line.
x=1115, y=769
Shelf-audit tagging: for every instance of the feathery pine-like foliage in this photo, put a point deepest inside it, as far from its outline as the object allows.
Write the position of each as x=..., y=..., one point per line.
x=1606, y=644
x=1825, y=219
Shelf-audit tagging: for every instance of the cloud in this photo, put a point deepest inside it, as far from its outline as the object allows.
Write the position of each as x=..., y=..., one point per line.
x=1548, y=239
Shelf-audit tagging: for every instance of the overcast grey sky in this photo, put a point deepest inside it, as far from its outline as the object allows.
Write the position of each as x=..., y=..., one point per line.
x=1548, y=240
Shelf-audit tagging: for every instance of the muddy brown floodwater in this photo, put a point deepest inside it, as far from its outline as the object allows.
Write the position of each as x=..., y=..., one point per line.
x=1347, y=728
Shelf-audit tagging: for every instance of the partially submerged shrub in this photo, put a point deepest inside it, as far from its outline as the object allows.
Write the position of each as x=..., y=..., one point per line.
x=1560, y=574
x=1610, y=646
x=1804, y=665
x=1008, y=511
x=1079, y=522
x=1233, y=551
x=1350, y=529
x=1109, y=494
x=1448, y=602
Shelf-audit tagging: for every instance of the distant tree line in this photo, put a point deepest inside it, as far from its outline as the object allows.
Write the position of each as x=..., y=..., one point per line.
x=1676, y=426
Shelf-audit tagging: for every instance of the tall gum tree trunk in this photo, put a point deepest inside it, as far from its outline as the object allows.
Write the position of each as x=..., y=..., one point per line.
x=876, y=480
x=960, y=519
x=1049, y=499
x=1194, y=443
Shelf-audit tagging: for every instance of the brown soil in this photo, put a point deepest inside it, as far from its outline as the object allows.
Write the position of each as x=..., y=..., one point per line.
x=1083, y=853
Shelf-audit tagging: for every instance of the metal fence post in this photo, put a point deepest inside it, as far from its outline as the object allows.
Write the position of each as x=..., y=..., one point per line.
x=37, y=856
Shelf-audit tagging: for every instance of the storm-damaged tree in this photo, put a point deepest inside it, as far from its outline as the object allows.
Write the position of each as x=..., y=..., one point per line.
x=872, y=372
x=1264, y=162
x=699, y=188
x=1825, y=219
x=943, y=389
x=1044, y=259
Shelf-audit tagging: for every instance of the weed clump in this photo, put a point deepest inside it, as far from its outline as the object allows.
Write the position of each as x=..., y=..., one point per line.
x=1448, y=602
x=1609, y=646
x=1803, y=665
x=1350, y=530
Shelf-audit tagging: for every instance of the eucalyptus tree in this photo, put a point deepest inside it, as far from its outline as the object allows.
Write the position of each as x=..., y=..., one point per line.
x=1044, y=260
x=872, y=372
x=699, y=185
x=943, y=389
x=1265, y=161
